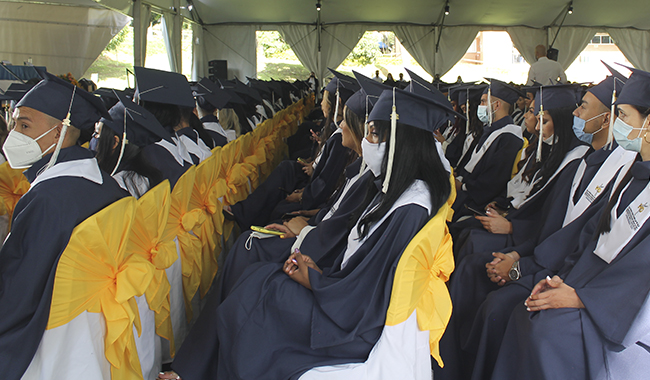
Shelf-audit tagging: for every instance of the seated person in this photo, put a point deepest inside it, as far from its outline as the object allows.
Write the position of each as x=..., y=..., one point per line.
x=313, y=313
x=67, y=186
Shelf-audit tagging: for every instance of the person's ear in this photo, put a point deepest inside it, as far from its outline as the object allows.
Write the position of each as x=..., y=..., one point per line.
x=606, y=120
x=116, y=142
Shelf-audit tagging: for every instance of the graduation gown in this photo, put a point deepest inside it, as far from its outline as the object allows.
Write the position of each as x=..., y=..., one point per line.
x=541, y=215
x=491, y=174
x=164, y=156
x=41, y=227
x=324, y=180
x=612, y=293
x=288, y=328
x=322, y=242
x=215, y=130
x=260, y=206
x=194, y=145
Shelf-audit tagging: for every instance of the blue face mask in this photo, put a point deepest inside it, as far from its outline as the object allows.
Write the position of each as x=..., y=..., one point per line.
x=579, y=129
x=621, y=131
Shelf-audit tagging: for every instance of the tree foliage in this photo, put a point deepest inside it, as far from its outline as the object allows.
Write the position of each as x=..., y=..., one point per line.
x=117, y=40
x=272, y=43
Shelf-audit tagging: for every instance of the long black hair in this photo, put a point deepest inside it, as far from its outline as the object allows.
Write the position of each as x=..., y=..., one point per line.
x=604, y=224
x=564, y=138
x=133, y=160
x=416, y=157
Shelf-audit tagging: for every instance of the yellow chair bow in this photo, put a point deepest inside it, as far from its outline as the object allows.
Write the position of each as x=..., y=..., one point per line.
x=419, y=283
x=148, y=239
x=182, y=220
x=13, y=185
x=97, y=274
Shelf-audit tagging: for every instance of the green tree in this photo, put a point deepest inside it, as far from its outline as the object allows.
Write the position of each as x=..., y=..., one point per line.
x=272, y=43
x=117, y=40
x=366, y=51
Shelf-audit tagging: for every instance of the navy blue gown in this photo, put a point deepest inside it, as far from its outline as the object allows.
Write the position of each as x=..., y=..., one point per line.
x=271, y=327
x=41, y=227
x=612, y=294
x=164, y=161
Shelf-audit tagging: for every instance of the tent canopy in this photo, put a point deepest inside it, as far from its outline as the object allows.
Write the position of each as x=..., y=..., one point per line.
x=225, y=29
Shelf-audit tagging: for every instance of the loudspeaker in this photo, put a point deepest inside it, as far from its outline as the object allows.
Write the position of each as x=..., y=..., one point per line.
x=218, y=69
x=552, y=53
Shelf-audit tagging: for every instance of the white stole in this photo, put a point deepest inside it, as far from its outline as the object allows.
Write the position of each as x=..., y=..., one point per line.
x=215, y=127
x=478, y=154
x=575, y=154
x=197, y=148
x=175, y=152
x=619, y=158
x=86, y=168
x=624, y=227
x=518, y=188
x=417, y=193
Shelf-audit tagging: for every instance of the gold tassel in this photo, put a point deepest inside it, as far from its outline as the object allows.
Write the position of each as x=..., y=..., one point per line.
x=391, y=148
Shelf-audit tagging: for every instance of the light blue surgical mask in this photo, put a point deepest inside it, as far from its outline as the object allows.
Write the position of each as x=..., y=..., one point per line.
x=482, y=114
x=622, y=130
x=579, y=129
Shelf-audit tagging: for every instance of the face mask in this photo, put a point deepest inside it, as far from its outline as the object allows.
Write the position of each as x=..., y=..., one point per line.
x=22, y=151
x=373, y=155
x=579, y=129
x=92, y=145
x=482, y=113
x=550, y=140
x=622, y=130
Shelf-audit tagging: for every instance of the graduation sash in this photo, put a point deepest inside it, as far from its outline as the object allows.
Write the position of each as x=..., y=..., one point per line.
x=173, y=149
x=518, y=188
x=86, y=168
x=197, y=148
x=215, y=127
x=619, y=158
x=575, y=154
x=477, y=155
x=417, y=193
x=625, y=226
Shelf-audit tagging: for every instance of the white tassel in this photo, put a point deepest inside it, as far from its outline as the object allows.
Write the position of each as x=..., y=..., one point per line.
x=541, y=125
x=610, y=131
x=338, y=100
x=391, y=148
x=489, y=105
x=124, y=142
x=64, y=130
x=467, y=115
x=365, y=134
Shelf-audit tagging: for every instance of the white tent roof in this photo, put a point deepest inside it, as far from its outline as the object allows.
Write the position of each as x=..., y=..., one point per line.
x=228, y=28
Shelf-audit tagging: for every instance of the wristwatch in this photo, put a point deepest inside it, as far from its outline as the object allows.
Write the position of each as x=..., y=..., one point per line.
x=514, y=272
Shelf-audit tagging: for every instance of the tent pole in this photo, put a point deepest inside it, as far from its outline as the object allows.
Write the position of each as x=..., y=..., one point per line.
x=137, y=34
x=178, y=36
x=319, y=27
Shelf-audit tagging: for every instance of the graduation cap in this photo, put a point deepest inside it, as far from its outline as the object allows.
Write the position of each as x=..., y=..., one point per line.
x=108, y=96
x=503, y=91
x=209, y=96
x=552, y=97
x=163, y=87
x=412, y=109
x=419, y=86
x=142, y=127
x=134, y=124
x=54, y=97
x=343, y=87
x=472, y=92
x=372, y=89
x=636, y=90
x=16, y=91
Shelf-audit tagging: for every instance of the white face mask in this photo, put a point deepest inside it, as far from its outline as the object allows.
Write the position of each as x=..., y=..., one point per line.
x=22, y=151
x=550, y=140
x=373, y=155
x=482, y=114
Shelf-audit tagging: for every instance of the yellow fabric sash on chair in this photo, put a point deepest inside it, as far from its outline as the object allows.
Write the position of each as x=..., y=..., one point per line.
x=182, y=220
x=13, y=185
x=204, y=198
x=148, y=239
x=420, y=281
x=97, y=274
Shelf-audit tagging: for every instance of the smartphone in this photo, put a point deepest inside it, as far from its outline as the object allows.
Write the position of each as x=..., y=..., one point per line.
x=290, y=215
x=267, y=231
x=475, y=211
x=302, y=160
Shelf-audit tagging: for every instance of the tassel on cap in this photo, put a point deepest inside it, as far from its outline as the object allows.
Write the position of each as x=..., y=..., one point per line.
x=124, y=142
x=365, y=133
x=64, y=130
x=467, y=114
x=391, y=147
x=338, y=101
x=541, y=126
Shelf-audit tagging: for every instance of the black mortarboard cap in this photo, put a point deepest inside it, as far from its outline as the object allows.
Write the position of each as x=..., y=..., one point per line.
x=473, y=92
x=636, y=90
x=344, y=92
x=557, y=96
x=209, y=95
x=428, y=90
x=52, y=96
x=413, y=109
x=372, y=88
x=163, y=87
x=142, y=128
x=504, y=91
x=108, y=96
x=16, y=91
